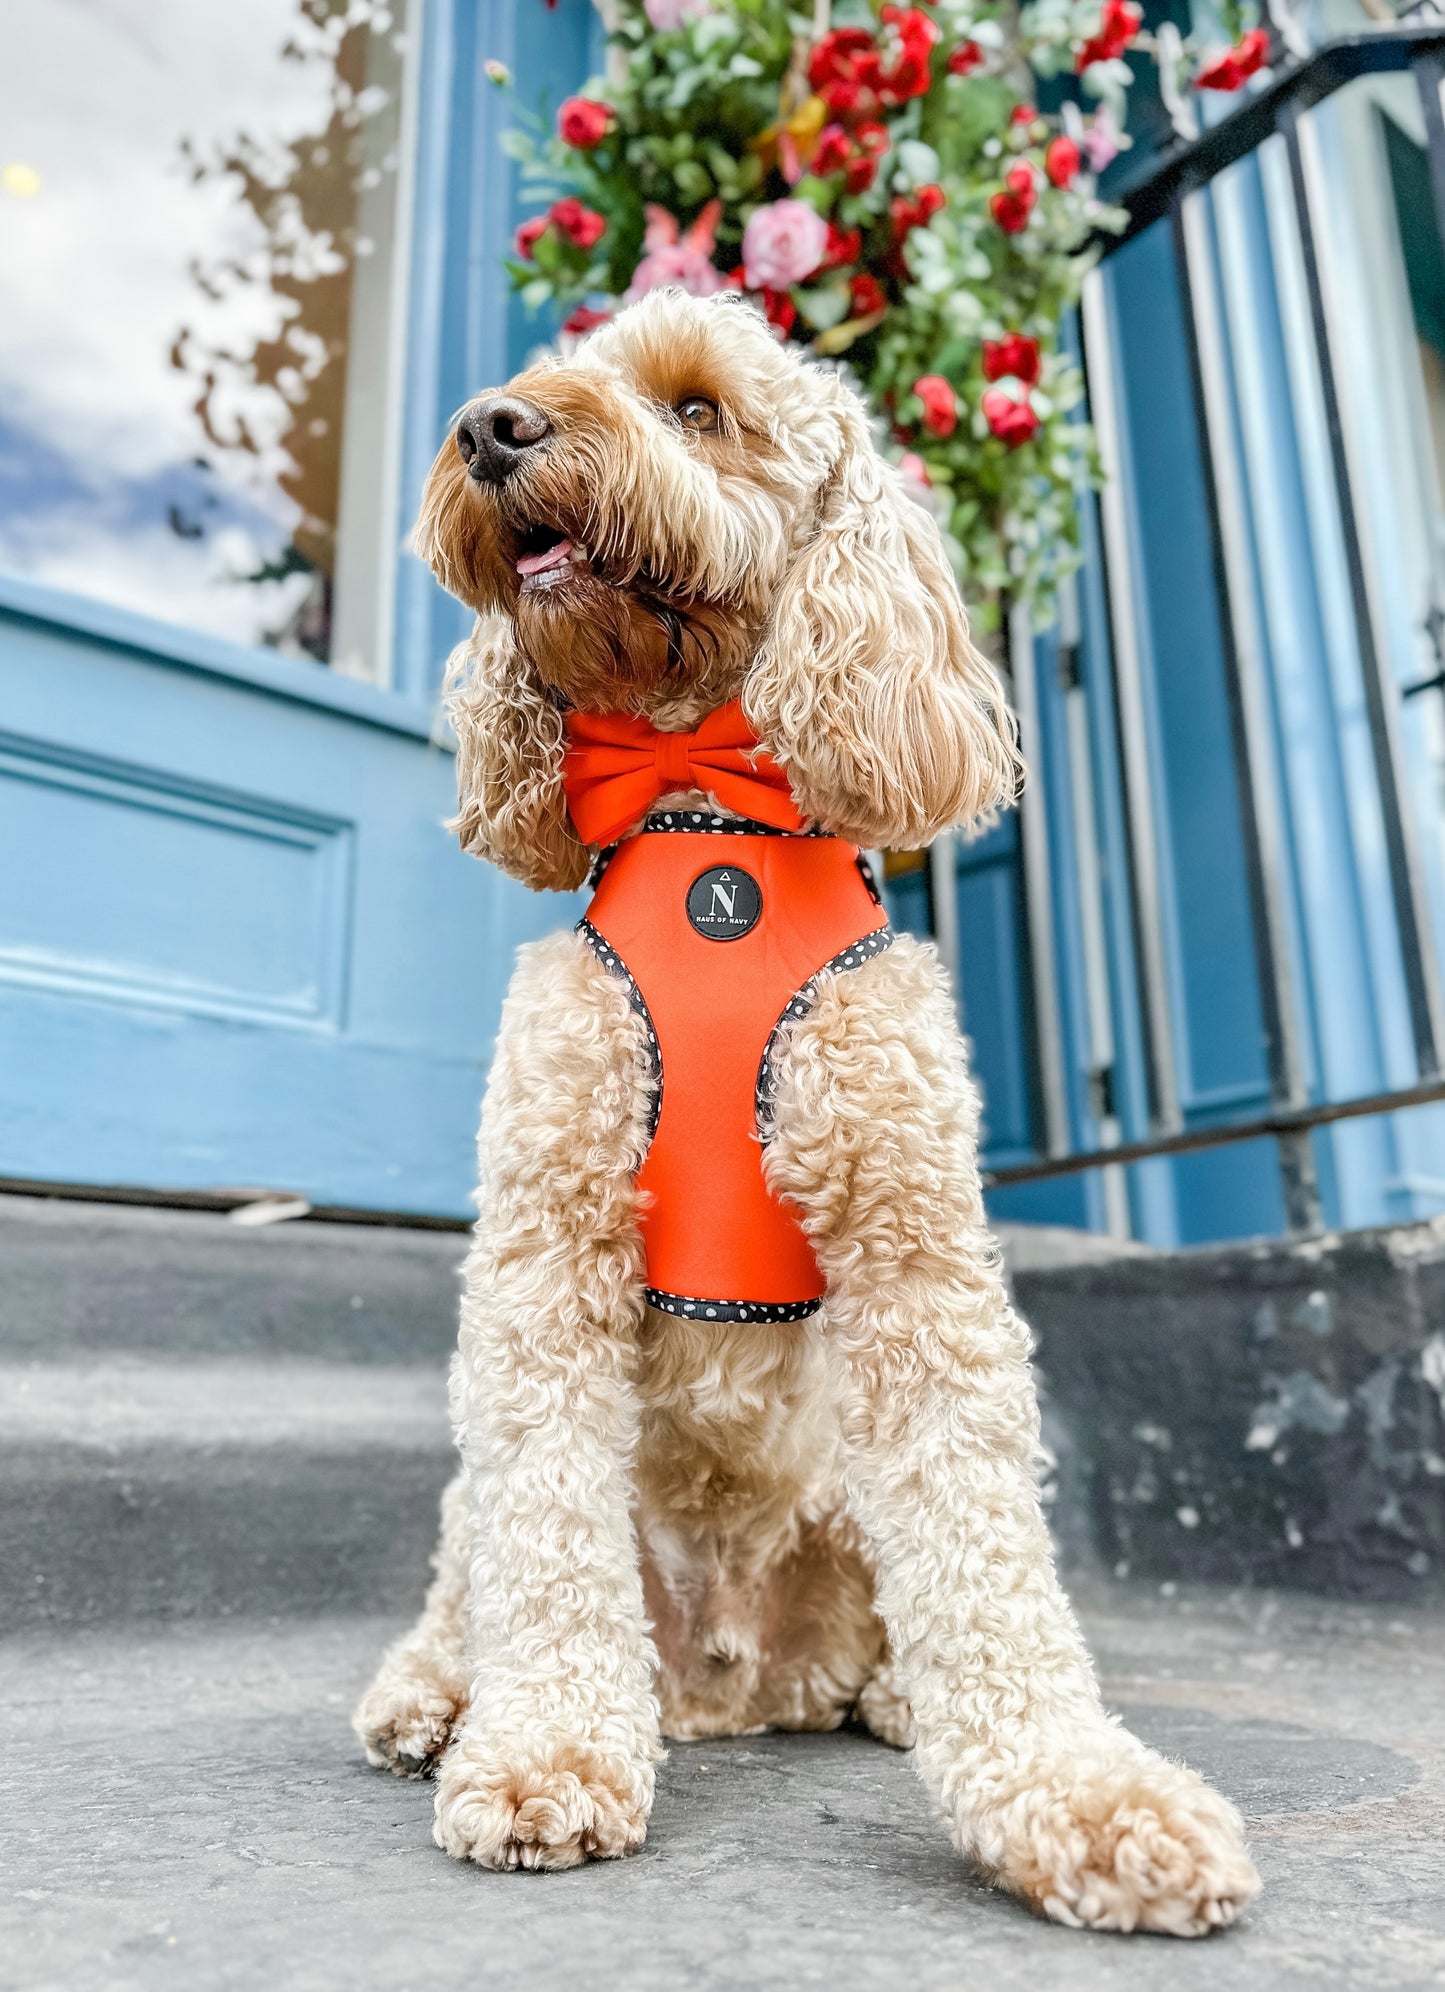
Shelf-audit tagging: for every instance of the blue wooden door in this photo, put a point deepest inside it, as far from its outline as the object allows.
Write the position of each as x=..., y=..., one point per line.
x=237, y=946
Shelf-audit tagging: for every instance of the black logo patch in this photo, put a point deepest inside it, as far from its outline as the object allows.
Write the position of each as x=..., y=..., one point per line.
x=724, y=903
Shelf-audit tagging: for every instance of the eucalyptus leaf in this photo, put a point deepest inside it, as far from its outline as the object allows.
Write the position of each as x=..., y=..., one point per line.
x=918, y=161
x=824, y=307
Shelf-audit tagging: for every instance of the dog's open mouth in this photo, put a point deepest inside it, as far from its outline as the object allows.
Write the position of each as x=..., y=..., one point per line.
x=546, y=557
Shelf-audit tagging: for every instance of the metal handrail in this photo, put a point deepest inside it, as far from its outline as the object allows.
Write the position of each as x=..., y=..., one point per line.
x=1184, y=168
x=1278, y=1126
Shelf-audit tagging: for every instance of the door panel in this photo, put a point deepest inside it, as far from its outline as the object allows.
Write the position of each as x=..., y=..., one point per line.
x=237, y=946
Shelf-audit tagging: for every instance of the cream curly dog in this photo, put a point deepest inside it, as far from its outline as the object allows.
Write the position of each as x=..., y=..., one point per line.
x=666, y=1527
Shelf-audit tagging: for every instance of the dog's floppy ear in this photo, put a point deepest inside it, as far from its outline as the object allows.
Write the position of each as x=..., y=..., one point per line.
x=511, y=806
x=867, y=688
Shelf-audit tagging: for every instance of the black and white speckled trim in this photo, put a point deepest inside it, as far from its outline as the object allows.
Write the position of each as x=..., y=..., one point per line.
x=799, y=1005
x=731, y=1310
x=599, y=865
x=865, y=872
x=612, y=961
x=705, y=823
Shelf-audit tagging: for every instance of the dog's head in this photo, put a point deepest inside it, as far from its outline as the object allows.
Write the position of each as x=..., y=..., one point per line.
x=683, y=511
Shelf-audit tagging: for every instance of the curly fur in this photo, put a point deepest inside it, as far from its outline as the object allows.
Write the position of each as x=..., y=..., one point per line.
x=665, y=1528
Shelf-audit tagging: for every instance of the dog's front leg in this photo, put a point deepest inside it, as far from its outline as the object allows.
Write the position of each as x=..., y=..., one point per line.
x=554, y=1762
x=876, y=1124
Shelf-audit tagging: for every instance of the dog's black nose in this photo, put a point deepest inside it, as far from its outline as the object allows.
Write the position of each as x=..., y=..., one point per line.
x=495, y=434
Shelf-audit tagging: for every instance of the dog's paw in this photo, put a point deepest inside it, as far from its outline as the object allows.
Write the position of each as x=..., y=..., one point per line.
x=884, y=1708
x=528, y=1807
x=407, y=1717
x=1132, y=1844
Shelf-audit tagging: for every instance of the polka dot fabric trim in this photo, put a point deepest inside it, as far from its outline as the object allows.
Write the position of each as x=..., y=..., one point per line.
x=731, y=1310
x=865, y=872
x=799, y=1005
x=704, y=823
x=612, y=961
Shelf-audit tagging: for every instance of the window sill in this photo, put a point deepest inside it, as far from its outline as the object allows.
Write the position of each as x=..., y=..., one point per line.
x=180, y=649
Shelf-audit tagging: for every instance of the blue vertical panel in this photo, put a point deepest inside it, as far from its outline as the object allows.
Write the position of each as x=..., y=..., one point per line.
x=465, y=332
x=1218, y=1027
x=1352, y=1010
x=1153, y=1214
x=468, y=330
x=1011, y=1035
x=995, y=996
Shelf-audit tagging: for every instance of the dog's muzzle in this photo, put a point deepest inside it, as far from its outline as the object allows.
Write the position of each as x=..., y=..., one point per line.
x=495, y=434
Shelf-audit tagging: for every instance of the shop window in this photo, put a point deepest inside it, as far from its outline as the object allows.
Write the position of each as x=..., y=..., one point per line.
x=202, y=222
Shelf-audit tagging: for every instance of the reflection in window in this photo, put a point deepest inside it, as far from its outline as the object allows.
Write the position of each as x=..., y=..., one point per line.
x=199, y=221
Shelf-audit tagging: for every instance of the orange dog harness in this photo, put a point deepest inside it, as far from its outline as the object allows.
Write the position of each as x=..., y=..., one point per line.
x=720, y=930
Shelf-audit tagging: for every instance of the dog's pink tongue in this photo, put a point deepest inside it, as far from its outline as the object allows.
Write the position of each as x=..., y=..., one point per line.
x=538, y=563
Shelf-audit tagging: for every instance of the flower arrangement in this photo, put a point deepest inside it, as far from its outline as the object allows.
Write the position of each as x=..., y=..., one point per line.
x=881, y=181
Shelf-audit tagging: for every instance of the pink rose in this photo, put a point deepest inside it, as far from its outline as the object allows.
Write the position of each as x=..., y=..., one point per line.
x=674, y=258
x=783, y=243
x=1100, y=140
x=667, y=16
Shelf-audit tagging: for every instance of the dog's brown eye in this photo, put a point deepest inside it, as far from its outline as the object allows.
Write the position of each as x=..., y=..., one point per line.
x=695, y=413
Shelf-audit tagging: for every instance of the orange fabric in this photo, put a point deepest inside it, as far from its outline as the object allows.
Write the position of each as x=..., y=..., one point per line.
x=712, y=1227
x=617, y=765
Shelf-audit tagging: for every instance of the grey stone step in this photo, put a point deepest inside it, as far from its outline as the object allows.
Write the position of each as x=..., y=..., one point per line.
x=96, y=1277
x=151, y=1281
x=135, y=1490
x=1272, y=1412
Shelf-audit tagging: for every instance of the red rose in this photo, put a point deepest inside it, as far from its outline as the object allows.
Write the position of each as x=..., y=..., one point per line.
x=842, y=66
x=1061, y=161
x=527, y=235
x=583, y=227
x=917, y=34
x=779, y=309
x=1013, y=422
x=1119, y=22
x=1233, y=69
x=833, y=150
x=585, y=319
x=844, y=246
x=910, y=214
x=872, y=137
x=940, y=406
x=967, y=57
x=868, y=295
x=1013, y=354
x=1012, y=207
x=861, y=175
x=1022, y=114
x=582, y=123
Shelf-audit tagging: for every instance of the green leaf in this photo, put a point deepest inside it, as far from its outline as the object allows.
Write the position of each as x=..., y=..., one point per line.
x=919, y=162
x=824, y=307
x=693, y=180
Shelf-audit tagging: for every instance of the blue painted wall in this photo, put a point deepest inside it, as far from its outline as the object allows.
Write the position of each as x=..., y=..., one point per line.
x=237, y=946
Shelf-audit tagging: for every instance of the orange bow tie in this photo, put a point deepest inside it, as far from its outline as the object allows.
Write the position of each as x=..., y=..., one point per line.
x=616, y=766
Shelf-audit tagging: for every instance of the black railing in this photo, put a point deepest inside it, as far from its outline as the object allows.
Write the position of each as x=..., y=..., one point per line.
x=1169, y=192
